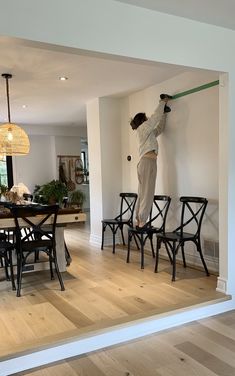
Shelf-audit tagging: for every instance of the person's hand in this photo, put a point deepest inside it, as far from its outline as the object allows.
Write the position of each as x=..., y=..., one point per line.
x=165, y=97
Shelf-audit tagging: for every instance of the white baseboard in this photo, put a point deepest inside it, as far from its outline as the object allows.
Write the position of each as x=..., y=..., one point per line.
x=95, y=239
x=221, y=285
x=108, y=239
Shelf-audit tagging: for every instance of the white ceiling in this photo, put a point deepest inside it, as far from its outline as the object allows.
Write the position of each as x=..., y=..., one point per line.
x=215, y=12
x=36, y=70
x=36, y=83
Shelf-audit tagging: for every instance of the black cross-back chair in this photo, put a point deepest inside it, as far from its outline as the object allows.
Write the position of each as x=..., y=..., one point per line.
x=40, y=237
x=125, y=217
x=158, y=213
x=192, y=213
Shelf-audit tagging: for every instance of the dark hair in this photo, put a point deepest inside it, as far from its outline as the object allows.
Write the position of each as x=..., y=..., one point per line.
x=138, y=119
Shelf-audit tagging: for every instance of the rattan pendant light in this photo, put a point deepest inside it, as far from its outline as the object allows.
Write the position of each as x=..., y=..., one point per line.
x=13, y=139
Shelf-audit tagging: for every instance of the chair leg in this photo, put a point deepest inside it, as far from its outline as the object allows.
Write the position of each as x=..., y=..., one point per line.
x=67, y=254
x=58, y=271
x=51, y=259
x=36, y=256
x=151, y=243
x=136, y=243
x=142, y=250
x=157, y=254
x=19, y=273
x=6, y=269
x=123, y=240
x=183, y=255
x=114, y=233
x=11, y=270
x=199, y=248
x=102, y=242
x=168, y=252
x=129, y=246
x=173, y=261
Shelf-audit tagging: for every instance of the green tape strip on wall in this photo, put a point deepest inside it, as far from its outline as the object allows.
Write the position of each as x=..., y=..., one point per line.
x=199, y=88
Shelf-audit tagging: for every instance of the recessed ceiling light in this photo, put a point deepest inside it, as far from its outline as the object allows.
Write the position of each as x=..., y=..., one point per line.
x=63, y=78
x=24, y=106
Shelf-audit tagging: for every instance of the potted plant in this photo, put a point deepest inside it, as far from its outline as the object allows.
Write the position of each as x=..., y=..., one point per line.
x=52, y=192
x=3, y=190
x=76, y=199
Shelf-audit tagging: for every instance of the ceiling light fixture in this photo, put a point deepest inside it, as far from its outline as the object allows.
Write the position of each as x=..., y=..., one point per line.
x=13, y=139
x=63, y=78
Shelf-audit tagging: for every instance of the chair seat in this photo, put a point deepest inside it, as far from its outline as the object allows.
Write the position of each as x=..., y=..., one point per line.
x=35, y=245
x=145, y=230
x=6, y=246
x=116, y=221
x=176, y=236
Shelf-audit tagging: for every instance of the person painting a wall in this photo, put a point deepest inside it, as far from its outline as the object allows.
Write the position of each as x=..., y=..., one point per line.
x=148, y=129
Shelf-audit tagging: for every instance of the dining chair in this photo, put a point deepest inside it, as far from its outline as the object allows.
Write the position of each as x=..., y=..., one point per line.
x=192, y=213
x=155, y=224
x=40, y=237
x=125, y=217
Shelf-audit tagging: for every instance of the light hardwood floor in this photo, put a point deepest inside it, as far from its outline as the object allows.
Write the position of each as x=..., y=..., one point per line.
x=201, y=348
x=101, y=291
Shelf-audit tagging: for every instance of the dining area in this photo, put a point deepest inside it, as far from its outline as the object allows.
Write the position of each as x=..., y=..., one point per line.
x=28, y=230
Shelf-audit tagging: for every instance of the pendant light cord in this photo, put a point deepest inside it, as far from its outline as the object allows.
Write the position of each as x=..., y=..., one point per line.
x=7, y=76
x=8, y=102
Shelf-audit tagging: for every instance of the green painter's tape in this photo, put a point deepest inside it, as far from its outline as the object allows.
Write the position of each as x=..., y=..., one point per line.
x=199, y=88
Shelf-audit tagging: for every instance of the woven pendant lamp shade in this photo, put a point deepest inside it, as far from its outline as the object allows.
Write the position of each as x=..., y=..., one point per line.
x=13, y=139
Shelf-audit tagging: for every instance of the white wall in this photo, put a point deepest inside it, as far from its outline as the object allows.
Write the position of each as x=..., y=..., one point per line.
x=67, y=145
x=104, y=139
x=94, y=151
x=188, y=160
x=110, y=152
x=38, y=166
x=41, y=164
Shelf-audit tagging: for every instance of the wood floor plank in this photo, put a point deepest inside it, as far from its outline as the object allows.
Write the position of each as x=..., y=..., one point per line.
x=206, y=359
x=67, y=309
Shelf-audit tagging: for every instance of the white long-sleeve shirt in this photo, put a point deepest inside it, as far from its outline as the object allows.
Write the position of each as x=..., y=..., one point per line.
x=149, y=130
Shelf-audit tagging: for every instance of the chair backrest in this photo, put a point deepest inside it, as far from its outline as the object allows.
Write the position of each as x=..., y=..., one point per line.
x=127, y=207
x=159, y=211
x=192, y=212
x=36, y=218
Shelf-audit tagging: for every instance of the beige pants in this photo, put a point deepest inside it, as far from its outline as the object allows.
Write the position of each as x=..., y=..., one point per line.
x=147, y=172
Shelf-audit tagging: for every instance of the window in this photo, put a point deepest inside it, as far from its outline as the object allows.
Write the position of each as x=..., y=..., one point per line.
x=6, y=174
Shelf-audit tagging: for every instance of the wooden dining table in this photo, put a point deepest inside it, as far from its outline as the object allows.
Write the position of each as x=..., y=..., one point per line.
x=65, y=216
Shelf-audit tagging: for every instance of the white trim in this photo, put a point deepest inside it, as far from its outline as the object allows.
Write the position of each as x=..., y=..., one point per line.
x=112, y=336
x=222, y=285
x=108, y=239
